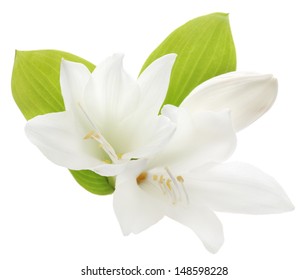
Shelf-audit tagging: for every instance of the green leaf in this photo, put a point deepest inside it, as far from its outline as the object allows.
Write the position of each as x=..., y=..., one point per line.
x=36, y=90
x=93, y=182
x=204, y=48
x=36, y=81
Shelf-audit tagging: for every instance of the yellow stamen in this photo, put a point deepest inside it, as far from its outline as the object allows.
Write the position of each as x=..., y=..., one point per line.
x=142, y=177
x=89, y=135
x=155, y=177
x=161, y=179
x=180, y=179
x=169, y=184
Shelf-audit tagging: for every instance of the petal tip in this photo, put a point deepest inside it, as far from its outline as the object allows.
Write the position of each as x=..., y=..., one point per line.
x=168, y=59
x=214, y=248
x=125, y=232
x=172, y=57
x=66, y=62
x=288, y=205
x=118, y=56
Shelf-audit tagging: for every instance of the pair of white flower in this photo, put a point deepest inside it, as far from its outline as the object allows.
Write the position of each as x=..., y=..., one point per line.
x=168, y=164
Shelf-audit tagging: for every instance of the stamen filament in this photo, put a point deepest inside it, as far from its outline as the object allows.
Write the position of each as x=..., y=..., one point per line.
x=96, y=135
x=170, y=192
x=184, y=190
x=174, y=183
x=106, y=147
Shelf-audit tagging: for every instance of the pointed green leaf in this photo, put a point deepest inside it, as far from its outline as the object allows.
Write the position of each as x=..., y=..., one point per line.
x=204, y=48
x=36, y=90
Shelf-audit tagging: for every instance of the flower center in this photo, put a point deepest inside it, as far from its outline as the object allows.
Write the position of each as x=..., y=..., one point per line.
x=170, y=186
x=103, y=143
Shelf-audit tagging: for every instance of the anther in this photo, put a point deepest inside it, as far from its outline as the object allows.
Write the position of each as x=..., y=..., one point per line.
x=169, y=184
x=142, y=177
x=89, y=135
x=161, y=179
x=180, y=179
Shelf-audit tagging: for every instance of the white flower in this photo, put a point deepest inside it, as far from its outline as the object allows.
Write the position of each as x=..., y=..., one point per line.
x=109, y=117
x=247, y=95
x=187, y=180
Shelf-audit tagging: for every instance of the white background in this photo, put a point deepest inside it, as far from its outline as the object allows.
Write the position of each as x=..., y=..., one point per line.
x=51, y=228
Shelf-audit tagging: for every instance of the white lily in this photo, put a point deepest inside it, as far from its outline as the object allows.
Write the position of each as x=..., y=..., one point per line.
x=109, y=118
x=187, y=180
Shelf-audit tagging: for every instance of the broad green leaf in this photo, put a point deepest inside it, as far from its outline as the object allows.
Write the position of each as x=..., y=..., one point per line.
x=36, y=81
x=36, y=90
x=204, y=48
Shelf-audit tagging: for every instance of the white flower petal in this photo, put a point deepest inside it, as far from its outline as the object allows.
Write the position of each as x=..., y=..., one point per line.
x=247, y=95
x=111, y=94
x=203, y=222
x=239, y=188
x=154, y=136
x=200, y=138
x=73, y=79
x=60, y=140
x=113, y=169
x=135, y=209
x=154, y=83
